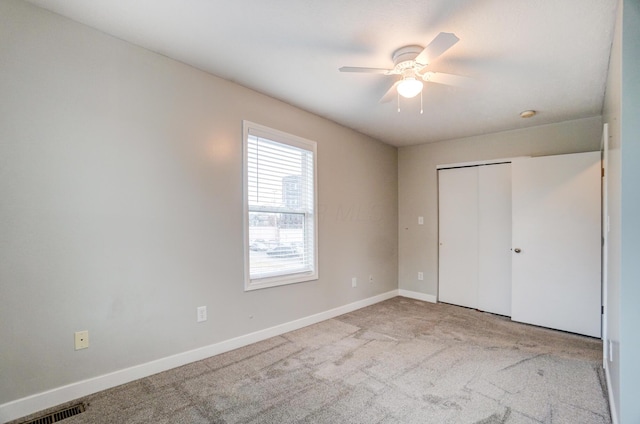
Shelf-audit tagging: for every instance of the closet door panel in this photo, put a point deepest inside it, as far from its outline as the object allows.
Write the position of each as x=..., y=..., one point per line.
x=494, y=238
x=458, y=236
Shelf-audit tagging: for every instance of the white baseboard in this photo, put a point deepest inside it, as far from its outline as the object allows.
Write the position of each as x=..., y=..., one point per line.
x=418, y=296
x=34, y=403
x=612, y=405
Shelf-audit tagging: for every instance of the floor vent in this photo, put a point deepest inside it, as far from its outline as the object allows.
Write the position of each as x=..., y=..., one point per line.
x=57, y=416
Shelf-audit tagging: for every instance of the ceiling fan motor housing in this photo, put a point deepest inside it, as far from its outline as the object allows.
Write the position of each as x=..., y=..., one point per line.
x=404, y=58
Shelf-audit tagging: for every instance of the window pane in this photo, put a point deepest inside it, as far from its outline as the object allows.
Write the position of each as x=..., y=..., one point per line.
x=277, y=244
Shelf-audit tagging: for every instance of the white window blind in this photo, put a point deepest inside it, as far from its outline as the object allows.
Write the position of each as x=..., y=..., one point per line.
x=280, y=208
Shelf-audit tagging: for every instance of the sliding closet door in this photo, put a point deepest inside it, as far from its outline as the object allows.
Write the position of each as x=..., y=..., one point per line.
x=494, y=238
x=475, y=237
x=556, y=241
x=458, y=236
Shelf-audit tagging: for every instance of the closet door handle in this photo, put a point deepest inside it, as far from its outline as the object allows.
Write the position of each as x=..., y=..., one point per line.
x=517, y=250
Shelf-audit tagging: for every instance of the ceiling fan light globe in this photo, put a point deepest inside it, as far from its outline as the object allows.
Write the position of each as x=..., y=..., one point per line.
x=409, y=87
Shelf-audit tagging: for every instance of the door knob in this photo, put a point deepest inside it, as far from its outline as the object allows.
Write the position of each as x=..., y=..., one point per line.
x=517, y=250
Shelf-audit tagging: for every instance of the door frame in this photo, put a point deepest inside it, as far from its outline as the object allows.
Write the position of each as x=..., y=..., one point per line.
x=605, y=241
x=480, y=162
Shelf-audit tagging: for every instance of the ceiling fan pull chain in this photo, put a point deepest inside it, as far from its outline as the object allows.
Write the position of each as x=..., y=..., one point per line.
x=421, y=111
x=398, y=102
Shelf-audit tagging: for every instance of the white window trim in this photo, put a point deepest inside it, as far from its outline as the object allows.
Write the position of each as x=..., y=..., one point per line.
x=258, y=130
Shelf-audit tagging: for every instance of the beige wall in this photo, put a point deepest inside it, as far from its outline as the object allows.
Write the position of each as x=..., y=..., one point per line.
x=121, y=206
x=418, y=189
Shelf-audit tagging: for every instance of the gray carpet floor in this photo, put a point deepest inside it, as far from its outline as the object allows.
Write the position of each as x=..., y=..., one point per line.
x=399, y=361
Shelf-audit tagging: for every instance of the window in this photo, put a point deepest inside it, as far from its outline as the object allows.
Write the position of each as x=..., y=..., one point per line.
x=280, y=208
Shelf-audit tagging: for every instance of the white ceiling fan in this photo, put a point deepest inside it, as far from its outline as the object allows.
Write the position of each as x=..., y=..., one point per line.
x=411, y=63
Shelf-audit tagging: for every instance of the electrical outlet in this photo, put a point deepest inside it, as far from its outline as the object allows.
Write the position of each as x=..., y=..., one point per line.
x=354, y=282
x=420, y=276
x=371, y=279
x=421, y=220
x=82, y=339
x=202, y=313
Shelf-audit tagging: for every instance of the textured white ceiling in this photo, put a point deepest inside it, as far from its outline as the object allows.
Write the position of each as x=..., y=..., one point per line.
x=551, y=56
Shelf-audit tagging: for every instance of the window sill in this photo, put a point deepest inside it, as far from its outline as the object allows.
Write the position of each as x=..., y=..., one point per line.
x=281, y=280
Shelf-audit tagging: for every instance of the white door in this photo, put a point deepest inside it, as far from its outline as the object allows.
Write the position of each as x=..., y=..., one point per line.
x=494, y=239
x=556, y=242
x=458, y=236
x=475, y=237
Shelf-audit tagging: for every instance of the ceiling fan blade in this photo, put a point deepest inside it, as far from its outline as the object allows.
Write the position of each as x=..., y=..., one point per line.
x=443, y=42
x=447, y=79
x=390, y=94
x=366, y=70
